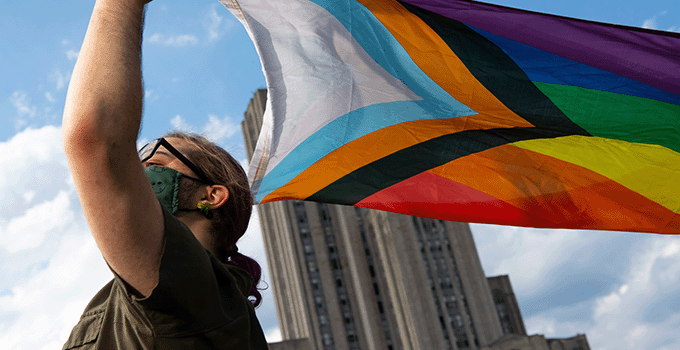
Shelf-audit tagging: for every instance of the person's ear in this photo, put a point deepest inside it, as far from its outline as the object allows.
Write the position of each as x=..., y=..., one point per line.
x=217, y=195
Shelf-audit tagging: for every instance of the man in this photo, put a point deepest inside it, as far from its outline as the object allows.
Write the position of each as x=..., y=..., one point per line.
x=177, y=282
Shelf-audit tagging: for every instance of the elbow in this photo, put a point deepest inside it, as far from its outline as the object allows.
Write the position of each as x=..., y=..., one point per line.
x=81, y=132
x=90, y=131
x=78, y=134
x=97, y=125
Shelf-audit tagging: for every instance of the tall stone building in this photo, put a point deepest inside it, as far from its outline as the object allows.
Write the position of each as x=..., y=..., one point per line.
x=352, y=278
x=506, y=305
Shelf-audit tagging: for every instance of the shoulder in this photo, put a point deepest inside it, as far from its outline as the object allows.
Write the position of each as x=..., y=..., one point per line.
x=110, y=318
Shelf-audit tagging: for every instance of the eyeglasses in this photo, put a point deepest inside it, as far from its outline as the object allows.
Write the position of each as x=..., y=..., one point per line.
x=149, y=150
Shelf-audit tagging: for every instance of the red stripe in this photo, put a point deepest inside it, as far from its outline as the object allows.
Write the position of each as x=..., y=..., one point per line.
x=429, y=195
x=433, y=196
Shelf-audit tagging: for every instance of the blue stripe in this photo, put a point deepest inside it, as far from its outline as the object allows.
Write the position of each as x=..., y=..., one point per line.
x=345, y=129
x=381, y=45
x=545, y=67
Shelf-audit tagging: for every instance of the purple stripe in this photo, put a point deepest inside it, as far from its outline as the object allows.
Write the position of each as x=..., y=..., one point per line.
x=650, y=57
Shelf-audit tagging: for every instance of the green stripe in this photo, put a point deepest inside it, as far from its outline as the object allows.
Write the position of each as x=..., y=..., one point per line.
x=618, y=116
x=498, y=72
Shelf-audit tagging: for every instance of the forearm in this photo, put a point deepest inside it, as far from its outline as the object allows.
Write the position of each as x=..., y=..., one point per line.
x=104, y=101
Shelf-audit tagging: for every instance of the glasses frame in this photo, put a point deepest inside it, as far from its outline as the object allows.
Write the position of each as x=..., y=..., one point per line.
x=163, y=142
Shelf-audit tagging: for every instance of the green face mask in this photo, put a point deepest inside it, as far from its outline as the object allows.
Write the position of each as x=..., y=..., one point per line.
x=165, y=183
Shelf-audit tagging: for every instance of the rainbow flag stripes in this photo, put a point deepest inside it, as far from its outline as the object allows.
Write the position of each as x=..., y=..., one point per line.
x=466, y=111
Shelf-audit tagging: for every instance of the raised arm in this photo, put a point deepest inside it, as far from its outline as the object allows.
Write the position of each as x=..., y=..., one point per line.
x=101, y=122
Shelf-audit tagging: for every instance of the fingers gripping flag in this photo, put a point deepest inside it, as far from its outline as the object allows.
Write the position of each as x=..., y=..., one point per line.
x=465, y=111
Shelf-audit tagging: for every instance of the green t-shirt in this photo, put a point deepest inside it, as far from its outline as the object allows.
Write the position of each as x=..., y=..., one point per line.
x=199, y=303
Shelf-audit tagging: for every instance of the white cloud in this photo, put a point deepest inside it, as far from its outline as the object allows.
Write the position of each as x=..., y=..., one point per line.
x=544, y=251
x=28, y=196
x=216, y=26
x=178, y=123
x=643, y=313
x=150, y=96
x=28, y=113
x=252, y=245
x=49, y=264
x=548, y=325
x=213, y=24
x=58, y=79
x=72, y=55
x=273, y=335
x=174, y=41
x=29, y=231
x=50, y=97
x=639, y=307
x=217, y=129
x=32, y=169
x=141, y=142
x=652, y=23
x=22, y=103
x=27, y=148
x=46, y=305
x=649, y=23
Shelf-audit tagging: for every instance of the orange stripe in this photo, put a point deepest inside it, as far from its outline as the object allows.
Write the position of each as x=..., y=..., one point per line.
x=545, y=185
x=374, y=146
x=437, y=60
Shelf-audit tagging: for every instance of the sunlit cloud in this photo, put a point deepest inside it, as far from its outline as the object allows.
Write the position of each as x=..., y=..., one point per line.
x=173, y=41
x=179, y=124
x=150, y=96
x=22, y=103
x=546, y=251
x=216, y=26
x=217, y=129
x=642, y=313
x=27, y=113
x=50, y=264
x=29, y=230
x=273, y=335
x=649, y=23
x=252, y=245
x=50, y=97
x=213, y=25
x=620, y=289
x=652, y=23
x=72, y=55
x=58, y=78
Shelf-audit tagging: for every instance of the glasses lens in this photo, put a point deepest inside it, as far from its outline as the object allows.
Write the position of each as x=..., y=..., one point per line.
x=148, y=150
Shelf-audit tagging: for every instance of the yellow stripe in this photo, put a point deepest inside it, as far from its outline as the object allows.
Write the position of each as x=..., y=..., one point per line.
x=650, y=170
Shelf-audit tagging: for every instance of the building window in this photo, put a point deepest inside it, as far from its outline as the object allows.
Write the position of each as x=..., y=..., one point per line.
x=336, y=267
x=314, y=277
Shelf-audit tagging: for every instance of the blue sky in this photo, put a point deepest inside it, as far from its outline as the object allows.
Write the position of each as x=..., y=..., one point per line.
x=200, y=70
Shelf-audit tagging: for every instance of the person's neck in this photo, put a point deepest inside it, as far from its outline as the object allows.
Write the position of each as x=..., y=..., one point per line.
x=202, y=230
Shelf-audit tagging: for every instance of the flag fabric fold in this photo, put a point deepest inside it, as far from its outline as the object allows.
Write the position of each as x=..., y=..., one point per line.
x=466, y=111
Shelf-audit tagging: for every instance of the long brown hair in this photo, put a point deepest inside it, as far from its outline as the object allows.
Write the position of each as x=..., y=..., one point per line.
x=230, y=221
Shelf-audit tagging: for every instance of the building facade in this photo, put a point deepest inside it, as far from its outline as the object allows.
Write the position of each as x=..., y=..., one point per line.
x=506, y=305
x=352, y=278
